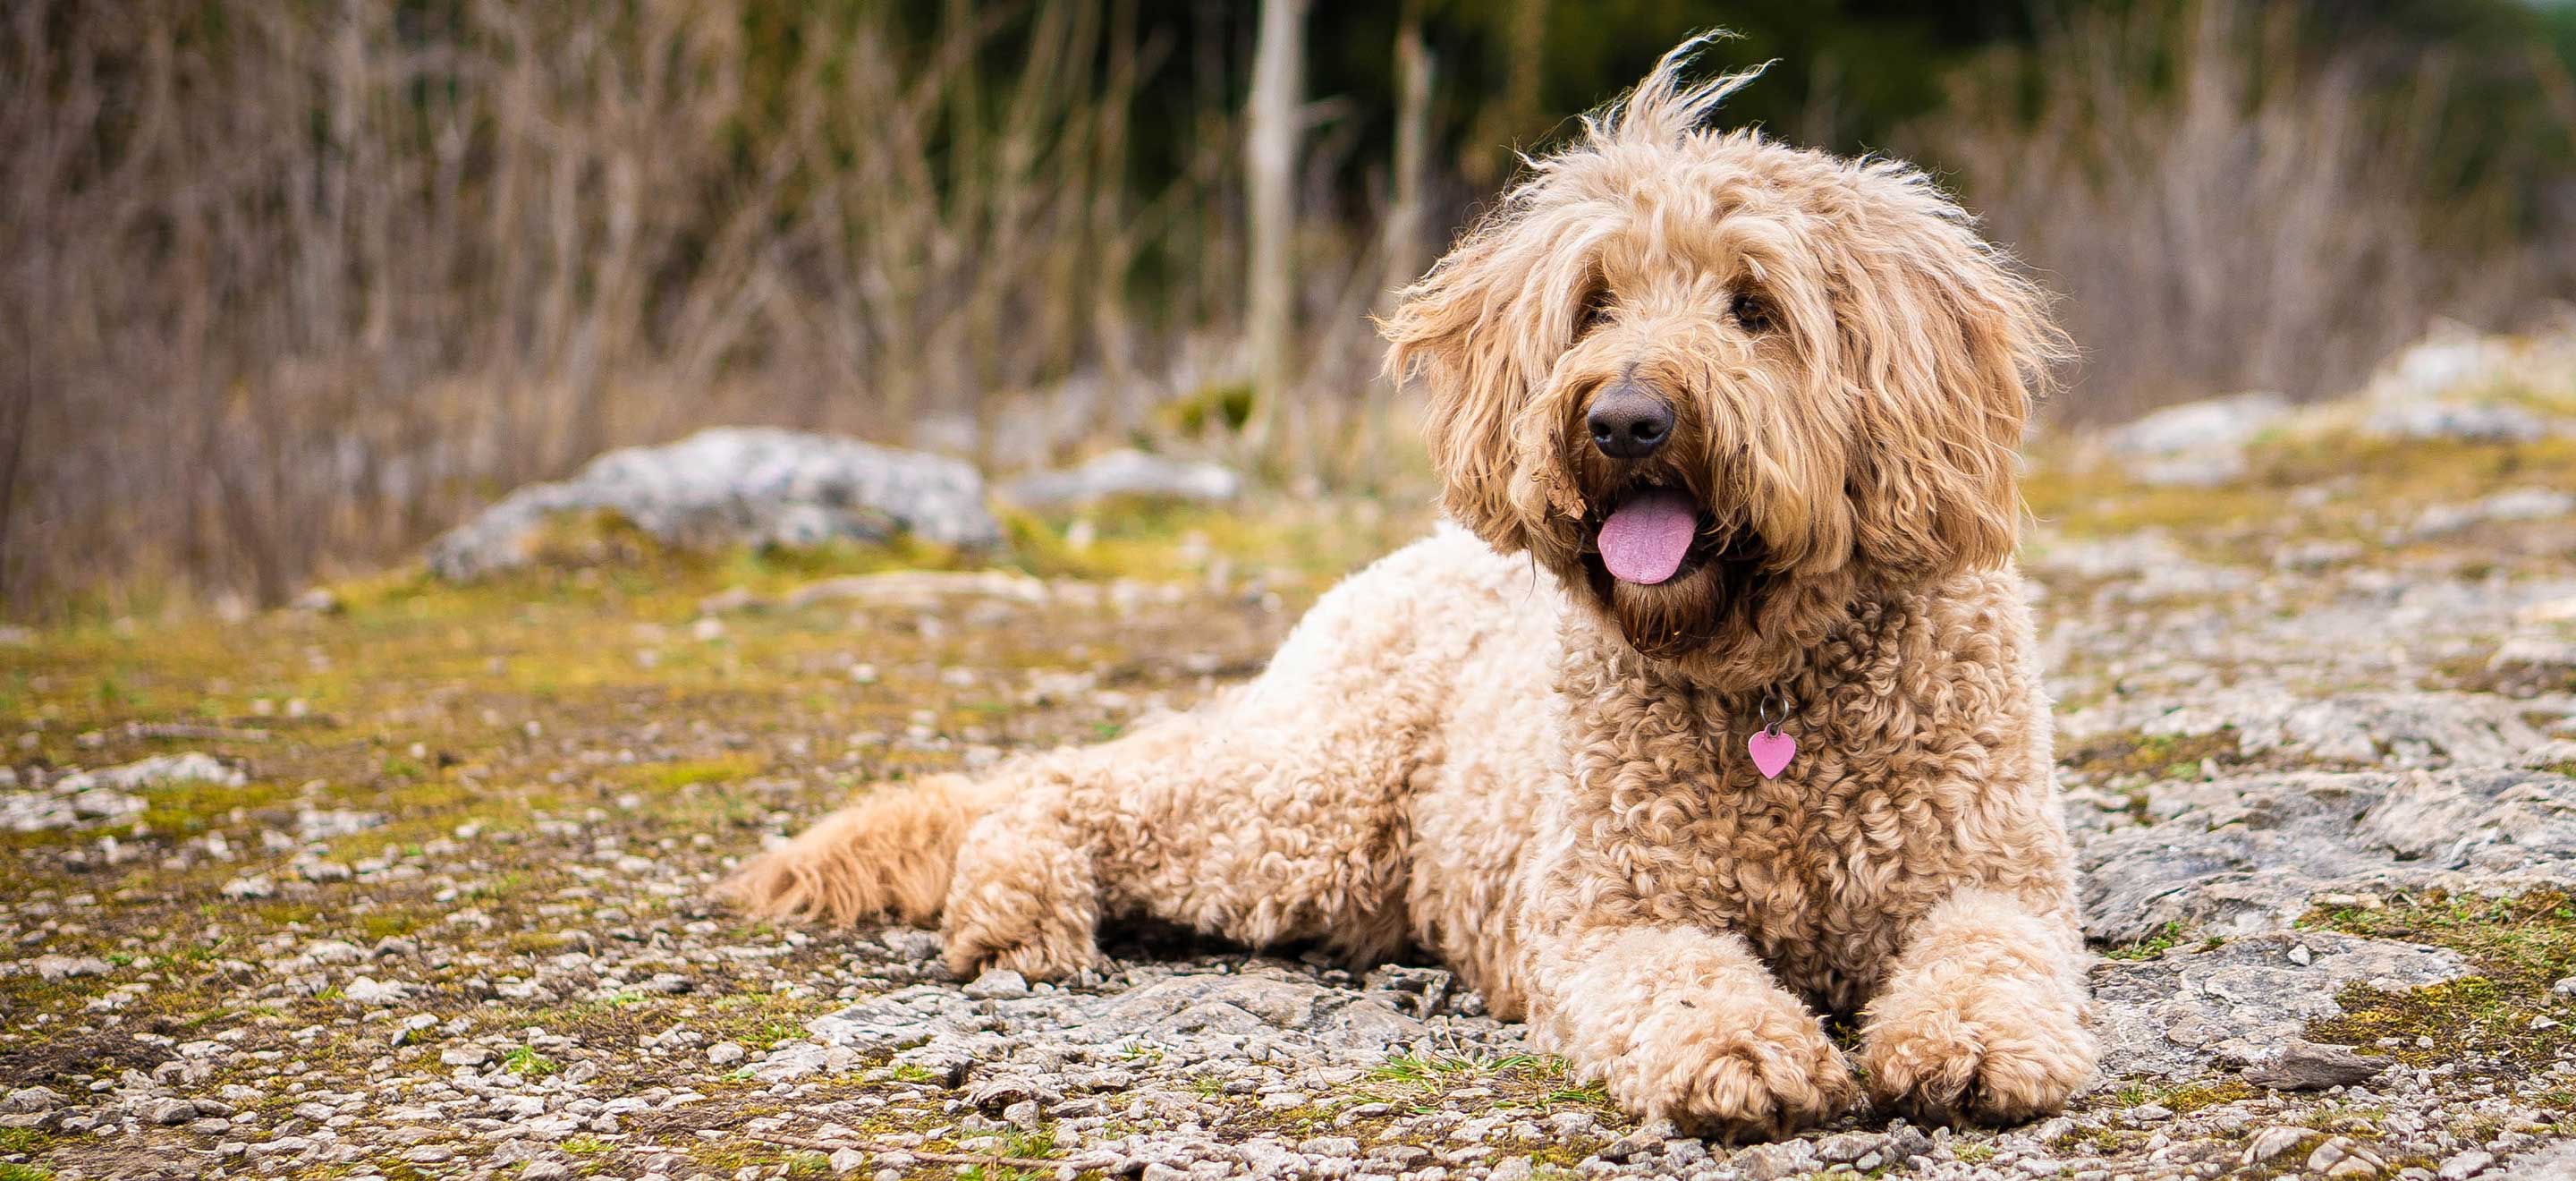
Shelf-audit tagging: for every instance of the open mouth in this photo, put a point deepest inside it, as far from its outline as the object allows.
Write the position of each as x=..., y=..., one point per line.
x=1654, y=535
x=1648, y=535
x=1674, y=573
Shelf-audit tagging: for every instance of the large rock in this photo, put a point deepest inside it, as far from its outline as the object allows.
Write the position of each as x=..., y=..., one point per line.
x=1127, y=472
x=2458, y=384
x=78, y=797
x=987, y=1033
x=2245, y=1001
x=2519, y=504
x=2344, y=731
x=2196, y=443
x=738, y=486
x=2248, y=854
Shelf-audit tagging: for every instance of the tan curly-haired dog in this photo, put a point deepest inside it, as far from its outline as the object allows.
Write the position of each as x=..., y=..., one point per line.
x=1753, y=412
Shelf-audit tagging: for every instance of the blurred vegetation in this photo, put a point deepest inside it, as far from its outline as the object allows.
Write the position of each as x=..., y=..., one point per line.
x=288, y=287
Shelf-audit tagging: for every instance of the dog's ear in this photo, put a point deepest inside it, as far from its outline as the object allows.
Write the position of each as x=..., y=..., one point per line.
x=1461, y=331
x=1948, y=349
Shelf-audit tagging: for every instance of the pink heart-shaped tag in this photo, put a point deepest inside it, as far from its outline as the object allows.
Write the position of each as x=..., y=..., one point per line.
x=1771, y=751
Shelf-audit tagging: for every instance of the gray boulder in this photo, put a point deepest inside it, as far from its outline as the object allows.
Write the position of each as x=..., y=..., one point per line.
x=2519, y=504
x=1127, y=472
x=110, y=793
x=2488, y=422
x=2196, y=443
x=2244, y=1002
x=738, y=486
x=2346, y=730
x=1268, y=1014
x=2246, y=854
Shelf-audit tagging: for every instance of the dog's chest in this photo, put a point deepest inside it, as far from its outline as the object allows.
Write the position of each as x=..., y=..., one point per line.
x=1808, y=869
x=1821, y=869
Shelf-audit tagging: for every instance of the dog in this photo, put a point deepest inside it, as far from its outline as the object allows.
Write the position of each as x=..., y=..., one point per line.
x=1709, y=715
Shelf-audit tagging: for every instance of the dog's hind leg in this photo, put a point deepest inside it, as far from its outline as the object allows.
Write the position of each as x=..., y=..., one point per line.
x=1215, y=821
x=887, y=855
x=1277, y=812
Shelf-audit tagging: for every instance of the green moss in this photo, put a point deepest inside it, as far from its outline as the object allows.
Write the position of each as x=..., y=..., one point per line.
x=674, y=776
x=193, y=806
x=2484, y=1022
x=2155, y=756
x=9, y=1172
x=2244, y=521
x=2194, y=1096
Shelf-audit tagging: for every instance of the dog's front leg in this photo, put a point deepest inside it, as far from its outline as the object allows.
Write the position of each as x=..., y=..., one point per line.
x=1026, y=896
x=1983, y=1016
x=1687, y=1025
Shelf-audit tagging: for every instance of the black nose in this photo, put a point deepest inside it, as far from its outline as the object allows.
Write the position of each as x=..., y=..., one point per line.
x=1629, y=421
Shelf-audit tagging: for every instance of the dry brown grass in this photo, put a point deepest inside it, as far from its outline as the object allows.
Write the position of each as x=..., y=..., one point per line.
x=285, y=289
x=290, y=287
x=2228, y=205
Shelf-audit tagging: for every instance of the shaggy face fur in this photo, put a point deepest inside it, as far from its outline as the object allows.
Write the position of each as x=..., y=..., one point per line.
x=1850, y=368
x=1544, y=782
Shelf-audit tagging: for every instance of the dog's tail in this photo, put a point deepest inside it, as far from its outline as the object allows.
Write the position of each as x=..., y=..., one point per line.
x=889, y=854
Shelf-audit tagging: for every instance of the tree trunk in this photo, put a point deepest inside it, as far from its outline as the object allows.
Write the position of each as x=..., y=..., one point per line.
x=1413, y=67
x=1270, y=169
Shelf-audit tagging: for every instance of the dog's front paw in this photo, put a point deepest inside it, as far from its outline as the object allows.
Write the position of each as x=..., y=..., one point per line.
x=1044, y=947
x=1734, y=1068
x=1025, y=924
x=1999, y=1052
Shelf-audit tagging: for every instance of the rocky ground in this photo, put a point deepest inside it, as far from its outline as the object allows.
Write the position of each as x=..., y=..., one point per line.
x=413, y=881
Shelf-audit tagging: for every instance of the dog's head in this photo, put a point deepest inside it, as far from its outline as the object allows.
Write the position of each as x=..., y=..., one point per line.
x=1721, y=386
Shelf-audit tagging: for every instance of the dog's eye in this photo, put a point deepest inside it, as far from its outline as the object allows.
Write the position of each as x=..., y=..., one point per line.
x=1595, y=313
x=1749, y=311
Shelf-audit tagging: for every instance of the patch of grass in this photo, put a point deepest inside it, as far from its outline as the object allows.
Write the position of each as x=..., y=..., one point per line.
x=1156, y=540
x=10, y=1172
x=674, y=776
x=761, y=1018
x=2158, y=756
x=1141, y=1052
x=529, y=1063
x=2164, y=939
x=195, y=805
x=2485, y=1022
x=1522, y=1081
x=1034, y=1144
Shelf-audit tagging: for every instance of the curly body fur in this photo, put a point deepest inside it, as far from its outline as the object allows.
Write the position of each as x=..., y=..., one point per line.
x=1486, y=747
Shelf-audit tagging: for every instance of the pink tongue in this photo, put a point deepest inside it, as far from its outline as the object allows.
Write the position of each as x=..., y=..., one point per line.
x=1646, y=538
